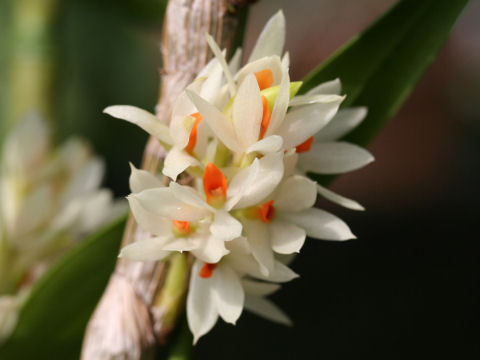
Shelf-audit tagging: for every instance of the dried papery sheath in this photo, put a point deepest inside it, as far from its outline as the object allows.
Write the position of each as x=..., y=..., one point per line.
x=247, y=141
x=50, y=198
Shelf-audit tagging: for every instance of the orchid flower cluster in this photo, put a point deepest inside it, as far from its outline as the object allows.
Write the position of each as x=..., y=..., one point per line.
x=49, y=200
x=243, y=142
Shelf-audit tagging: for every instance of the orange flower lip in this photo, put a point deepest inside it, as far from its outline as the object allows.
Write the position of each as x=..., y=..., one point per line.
x=181, y=227
x=264, y=78
x=305, y=146
x=266, y=211
x=207, y=270
x=214, y=185
x=192, y=140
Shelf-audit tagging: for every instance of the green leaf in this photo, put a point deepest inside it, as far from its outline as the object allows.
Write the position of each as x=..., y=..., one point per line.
x=380, y=67
x=53, y=318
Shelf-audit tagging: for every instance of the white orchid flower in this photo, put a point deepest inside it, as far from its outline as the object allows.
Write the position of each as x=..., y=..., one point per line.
x=222, y=290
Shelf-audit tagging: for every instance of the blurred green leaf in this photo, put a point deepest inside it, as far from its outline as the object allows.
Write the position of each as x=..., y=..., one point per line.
x=380, y=67
x=53, y=318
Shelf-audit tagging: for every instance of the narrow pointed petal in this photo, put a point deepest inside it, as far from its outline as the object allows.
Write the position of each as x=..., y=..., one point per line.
x=162, y=202
x=320, y=224
x=266, y=309
x=247, y=112
x=235, y=61
x=281, y=103
x=142, y=180
x=343, y=122
x=87, y=179
x=176, y=162
x=149, y=221
x=34, y=211
x=221, y=59
x=201, y=308
x=269, y=175
x=145, y=250
x=180, y=244
x=228, y=294
x=220, y=125
x=180, y=129
x=302, y=100
x=304, y=122
x=296, y=193
x=286, y=238
x=267, y=145
x=257, y=236
x=147, y=121
x=286, y=60
x=339, y=199
x=248, y=265
x=329, y=87
x=271, y=39
x=225, y=227
x=334, y=158
x=209, y=249
x=212, y=84
x=259, y=288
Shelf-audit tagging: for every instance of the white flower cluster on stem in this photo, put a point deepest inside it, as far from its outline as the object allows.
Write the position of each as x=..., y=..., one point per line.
x=50, y=198
x=247, y=141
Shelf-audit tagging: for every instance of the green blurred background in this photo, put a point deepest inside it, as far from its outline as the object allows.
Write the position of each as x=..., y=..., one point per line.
x=409, y=286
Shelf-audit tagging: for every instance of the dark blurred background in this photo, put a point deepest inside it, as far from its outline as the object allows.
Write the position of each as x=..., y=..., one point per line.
x=408, y=287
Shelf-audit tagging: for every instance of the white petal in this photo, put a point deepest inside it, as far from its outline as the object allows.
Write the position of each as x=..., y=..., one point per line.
x=302, y=100
x=241, y=183
x=209, y=249
x=221, y=59
x=339, y=199
x=248, y=265
x=88, y=178
x=286, y=238
x=256, y=233
x=247, y=111
x=177, y=161
x=296, y=193
x=320, y=224
x=267, y=145
x=271, y=39
x=180, y=128
x=341, y=124
x=220, y=125
x=269, y=174
x=228, y=293
x=180, y=244
x=149, y=221
x=225, y=227
x=281, y=103
x=145, y=250
x=329, y=87
x=235, y=61
x=304, y=122
x=201, y=308
x=162, y=202
x=334, y=158
x=266, y=309
x=212, y=85
x=189, y=195
x=35, y=210
x=271, y=62
x=147, y=121
x=286, y=59
x=259, y=288
x=142, y=180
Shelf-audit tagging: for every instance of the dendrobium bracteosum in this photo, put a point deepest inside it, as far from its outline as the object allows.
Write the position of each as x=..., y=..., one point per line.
x=247, y=141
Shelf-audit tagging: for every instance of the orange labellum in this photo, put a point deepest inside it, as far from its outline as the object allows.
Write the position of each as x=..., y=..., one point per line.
x=214, y=184
x=183, y=227
x=192, y=140
x=265, y=117
x=267, y=211
x=264, y=78
x=305, y=146
x=207, y=270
